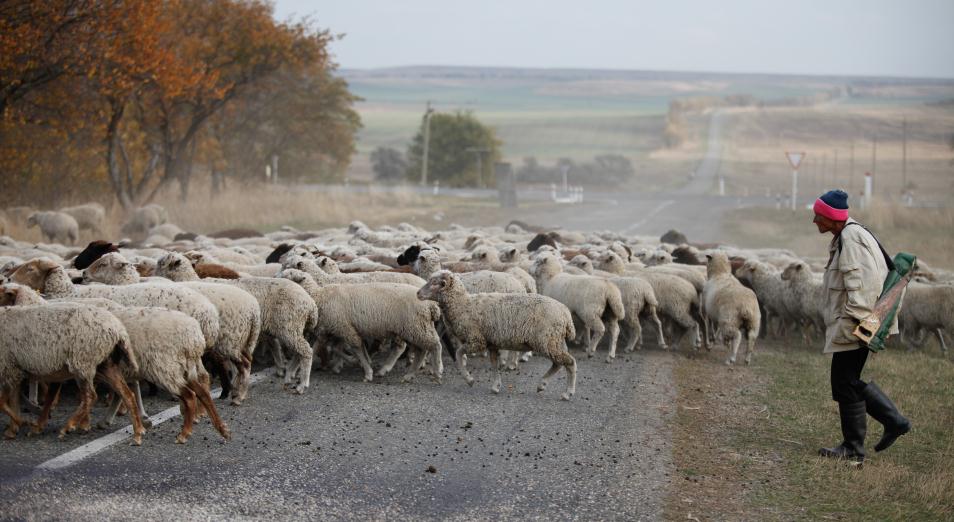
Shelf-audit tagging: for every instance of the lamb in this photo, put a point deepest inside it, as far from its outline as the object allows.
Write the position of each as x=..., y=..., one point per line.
x=730, y=306
x=55, y=226
x=495, y=322
x=287, y=312
x=428, y=263
x=240, y=318
x=639, y=300
x=805, y=298
x=204, y=258
x=373, y=311
x=168, y=347
x=678, y=299
x=144, y=219
x=926, y=308
x=329, y=266
x=591, y=299
x=91, y=216
x=64, y=341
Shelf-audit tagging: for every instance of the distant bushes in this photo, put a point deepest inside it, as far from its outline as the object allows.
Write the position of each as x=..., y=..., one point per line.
x=605, y=169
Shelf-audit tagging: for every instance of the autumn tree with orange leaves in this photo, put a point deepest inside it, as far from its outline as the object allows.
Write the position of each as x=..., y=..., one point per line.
x=136, y=95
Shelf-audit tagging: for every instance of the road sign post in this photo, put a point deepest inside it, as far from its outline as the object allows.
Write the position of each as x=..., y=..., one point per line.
x=794, y=159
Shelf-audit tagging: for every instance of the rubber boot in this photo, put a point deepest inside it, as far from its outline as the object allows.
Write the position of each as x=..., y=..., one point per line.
x=881, y=408
x=853, y=428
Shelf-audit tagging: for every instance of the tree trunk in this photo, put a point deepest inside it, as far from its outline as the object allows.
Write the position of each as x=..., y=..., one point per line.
x=112, y=148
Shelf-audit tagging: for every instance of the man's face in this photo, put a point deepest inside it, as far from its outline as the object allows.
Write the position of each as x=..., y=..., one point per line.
x=825, y=225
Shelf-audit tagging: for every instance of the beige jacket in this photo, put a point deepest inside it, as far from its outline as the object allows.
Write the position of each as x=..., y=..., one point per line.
x=853, y=280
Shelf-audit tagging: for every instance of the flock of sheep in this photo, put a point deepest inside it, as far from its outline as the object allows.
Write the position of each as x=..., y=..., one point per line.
x=176, y=309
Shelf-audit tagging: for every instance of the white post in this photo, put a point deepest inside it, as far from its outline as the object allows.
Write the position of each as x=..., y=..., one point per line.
x=437, y=187
x=721, y=186
x=427, y=143
x=553, y=191
x=794, y=187
x=866, y=201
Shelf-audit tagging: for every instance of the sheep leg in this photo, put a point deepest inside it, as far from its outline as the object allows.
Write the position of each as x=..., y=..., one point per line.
x=634, y=335
x=204, y=397
x=659, y=328
x=554, y=367
x=33, y=395
x=362, y=353
x=87, y=395
x=305, y=358
x=110, y=373
x=278, y=358
x=51, y=400
x=750, y=348
x=241, y=379
x=566, y=360
x=494, y=356
x=392, y=359
x=593, y=341
x=526, y=356
x=940, y=339
x=187, y=408
x=10, y=403
x=146, y=421
x=736, y=340
x=110, y=413
x=461, y=360
x=614, y=337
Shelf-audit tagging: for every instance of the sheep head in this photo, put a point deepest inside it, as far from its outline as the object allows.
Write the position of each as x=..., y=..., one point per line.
x=12, y=294
x=111, y=269
x=583, y=263
x=441, y=285
x=794, y=271
x=176, y=267
x=546, y=266
x=35, y=273
x=717, y=263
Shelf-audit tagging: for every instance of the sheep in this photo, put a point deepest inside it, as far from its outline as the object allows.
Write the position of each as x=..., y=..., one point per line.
x=240, y=319
x=678, y=299
x=805, y=298
x=144, y=219
x=589, y=298
x=495, y=322
x=926, y=308
x=372, y=311
x=428, y=263
x=287, y=312
x=730, y=306
x=93, y=251
x=91, y=216
x=767, y=283
x=167, y=346
x=204, y=258
x=639, y=299
x=49, y=278
x=55, y=226
x=55, y=342
x=329, y=266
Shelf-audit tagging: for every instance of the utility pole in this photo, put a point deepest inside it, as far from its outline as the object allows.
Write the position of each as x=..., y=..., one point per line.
x=427, y=142
x=835, y=174
x=851, y=169
x=479, y=151
x=904, y=154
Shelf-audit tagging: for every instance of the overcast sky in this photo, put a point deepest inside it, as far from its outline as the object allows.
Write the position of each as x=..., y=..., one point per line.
x=842, y=37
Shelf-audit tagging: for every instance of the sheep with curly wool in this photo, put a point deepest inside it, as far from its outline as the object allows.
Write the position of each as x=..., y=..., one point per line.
x=678, y=300
x=240, y=318
x=639, y=301
x=329, y=266
x=927, y=308
x=495, y=321
x=199, y=258
x=591, y=299
x=168, y=348
x=766, y=281
x=55, y=226
x=731, y=307
x=805, y=298
x=352, y=314
x=57, y=342
x=287, y=312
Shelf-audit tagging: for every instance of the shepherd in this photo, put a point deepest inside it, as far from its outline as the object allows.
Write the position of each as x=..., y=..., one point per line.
x=857, y=268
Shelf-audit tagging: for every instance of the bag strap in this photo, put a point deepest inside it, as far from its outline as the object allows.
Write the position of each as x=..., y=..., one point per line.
x=887, y=258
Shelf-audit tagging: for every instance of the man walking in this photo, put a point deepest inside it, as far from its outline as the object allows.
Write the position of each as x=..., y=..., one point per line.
x=857, y=268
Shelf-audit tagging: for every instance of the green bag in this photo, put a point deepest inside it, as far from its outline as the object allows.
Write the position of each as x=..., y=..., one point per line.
x=904, y=265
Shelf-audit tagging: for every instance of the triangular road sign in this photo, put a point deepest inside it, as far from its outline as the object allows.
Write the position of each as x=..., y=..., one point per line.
x=795, y=158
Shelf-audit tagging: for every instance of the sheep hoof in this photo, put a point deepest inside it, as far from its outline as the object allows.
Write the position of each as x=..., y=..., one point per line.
x=300, y=389
x=541, y=387
x=104, y=425
x=470, y=381
x=10, y=434
x=279, y=372
x=565, y=397
x=609, y=359
x=235, y=401
x=495, y=390
x=226, y=434
x=381, y=373
x=729, y=362
x=590, y=354
x=181, y=439
x=404, y=380
x=146, y=422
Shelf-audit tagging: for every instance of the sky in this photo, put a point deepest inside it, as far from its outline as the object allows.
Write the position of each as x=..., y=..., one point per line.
x=905, y=38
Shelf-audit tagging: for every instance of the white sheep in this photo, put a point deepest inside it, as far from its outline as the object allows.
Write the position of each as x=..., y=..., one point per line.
x=591, y=299
x=731, y=307
x=43, y=341
x=55, y=226
x=240, y=318
x=495, y=322
x=91, y=216
x=805, y=298
x=143, y=219
x=926, y=308
x=767, y=283
x=329, y=266
x=352, y=314
x=287, y=312
x=205, y=258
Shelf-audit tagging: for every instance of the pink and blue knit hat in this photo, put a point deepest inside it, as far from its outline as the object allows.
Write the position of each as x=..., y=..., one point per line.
x=832, y=205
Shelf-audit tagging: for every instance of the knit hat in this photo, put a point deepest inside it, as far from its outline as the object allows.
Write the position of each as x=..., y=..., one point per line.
x=833, y=205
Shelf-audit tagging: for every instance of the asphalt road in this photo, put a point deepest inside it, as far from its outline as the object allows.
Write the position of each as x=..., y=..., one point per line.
x=348, y=449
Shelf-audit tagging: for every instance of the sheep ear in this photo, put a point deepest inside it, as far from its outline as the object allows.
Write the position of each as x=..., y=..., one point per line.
x=175, y=263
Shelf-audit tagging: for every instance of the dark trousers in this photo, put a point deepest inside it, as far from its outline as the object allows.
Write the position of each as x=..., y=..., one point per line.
x=846, y=383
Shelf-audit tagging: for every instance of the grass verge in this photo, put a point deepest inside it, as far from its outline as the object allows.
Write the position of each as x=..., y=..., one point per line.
x=745, y=440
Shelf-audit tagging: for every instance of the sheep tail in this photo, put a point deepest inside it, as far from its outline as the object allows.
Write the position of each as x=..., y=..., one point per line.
x=615, y=303
x=435, y=312
x=122, y=352
x=570, y=331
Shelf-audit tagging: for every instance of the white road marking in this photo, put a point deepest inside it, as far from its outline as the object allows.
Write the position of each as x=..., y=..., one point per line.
x=659, y=208
x=93, y=447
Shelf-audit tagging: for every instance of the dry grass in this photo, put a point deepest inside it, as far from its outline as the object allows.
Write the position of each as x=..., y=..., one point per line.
x=926, y=232
x=745, y=440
